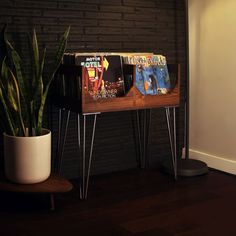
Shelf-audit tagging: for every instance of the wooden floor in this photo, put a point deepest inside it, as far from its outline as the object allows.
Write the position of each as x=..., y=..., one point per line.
x=134, y=202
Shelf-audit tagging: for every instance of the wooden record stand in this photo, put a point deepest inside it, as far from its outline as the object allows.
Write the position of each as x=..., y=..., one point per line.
x=133, y=100
x=84, y=105
x=54, y=184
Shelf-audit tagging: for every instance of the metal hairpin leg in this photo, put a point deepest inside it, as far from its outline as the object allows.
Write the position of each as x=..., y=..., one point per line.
x=61, y=137
x=172, y=137
x=86, y=164
x=143, y=124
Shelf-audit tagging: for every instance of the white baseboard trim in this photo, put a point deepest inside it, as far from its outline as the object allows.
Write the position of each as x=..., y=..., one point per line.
x=215, y=162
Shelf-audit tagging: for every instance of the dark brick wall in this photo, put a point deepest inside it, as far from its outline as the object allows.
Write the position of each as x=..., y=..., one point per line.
x=106, y=25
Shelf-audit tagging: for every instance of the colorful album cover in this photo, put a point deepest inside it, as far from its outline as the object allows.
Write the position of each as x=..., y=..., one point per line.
x=152, y=75
x=104, y=75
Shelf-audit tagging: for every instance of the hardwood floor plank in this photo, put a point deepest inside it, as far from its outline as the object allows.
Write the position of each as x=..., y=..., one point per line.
x=133, y=202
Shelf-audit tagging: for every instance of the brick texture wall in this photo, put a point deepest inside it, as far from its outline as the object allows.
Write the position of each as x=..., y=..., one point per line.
x=105, y=25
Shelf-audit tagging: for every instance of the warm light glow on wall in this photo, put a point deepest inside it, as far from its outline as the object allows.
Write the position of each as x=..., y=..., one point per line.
x=212, y=77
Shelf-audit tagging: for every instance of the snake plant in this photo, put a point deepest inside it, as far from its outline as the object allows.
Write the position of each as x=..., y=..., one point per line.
x=23, y=95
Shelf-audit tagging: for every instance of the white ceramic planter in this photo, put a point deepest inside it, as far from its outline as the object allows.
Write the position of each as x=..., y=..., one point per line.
x=28, y=159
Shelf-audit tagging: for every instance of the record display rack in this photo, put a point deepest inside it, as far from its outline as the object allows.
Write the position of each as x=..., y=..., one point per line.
x=80, y=103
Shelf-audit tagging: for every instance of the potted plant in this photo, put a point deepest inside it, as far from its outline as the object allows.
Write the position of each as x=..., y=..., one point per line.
x=27, y=145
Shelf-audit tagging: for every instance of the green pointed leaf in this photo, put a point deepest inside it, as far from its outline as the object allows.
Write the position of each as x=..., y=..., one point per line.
x=16, y=87
x=39, y=88
x=57, y=62
x=7, y=114
x=19, y=74
x=4, y=75
x=23, y=102
x=60, y=52
x=35, y=54
x=5, y=100
x=12, y=97
x=35, y=63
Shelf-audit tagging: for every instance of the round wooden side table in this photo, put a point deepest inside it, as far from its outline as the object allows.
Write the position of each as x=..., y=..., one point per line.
x=54, y=184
